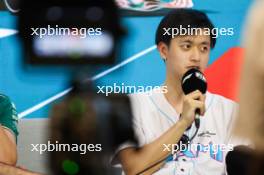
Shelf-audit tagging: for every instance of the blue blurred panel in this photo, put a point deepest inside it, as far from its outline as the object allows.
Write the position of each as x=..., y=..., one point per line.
x=223, y=5
x=26, y=87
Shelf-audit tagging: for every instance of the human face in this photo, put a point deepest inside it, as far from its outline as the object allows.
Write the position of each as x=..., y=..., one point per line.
x=184, y=53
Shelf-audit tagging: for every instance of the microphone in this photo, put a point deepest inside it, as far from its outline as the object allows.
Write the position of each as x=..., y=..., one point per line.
x=193, y=80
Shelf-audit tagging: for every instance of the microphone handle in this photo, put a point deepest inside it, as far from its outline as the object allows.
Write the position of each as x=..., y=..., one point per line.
x=197, y=118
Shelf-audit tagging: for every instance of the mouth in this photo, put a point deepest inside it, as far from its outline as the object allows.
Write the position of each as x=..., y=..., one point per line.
x=193, y=67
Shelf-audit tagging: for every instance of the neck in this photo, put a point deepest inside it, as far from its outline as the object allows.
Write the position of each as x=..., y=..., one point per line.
x=175, y=94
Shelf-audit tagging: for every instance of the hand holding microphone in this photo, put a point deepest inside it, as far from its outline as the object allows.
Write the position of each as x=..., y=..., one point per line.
x=193, y=105
x=194, y=85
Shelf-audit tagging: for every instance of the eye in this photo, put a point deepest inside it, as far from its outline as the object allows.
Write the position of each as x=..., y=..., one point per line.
x=186, y=46
x=204, y=49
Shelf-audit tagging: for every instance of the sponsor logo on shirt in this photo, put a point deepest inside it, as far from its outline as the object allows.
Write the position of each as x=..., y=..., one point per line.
x=206, y=134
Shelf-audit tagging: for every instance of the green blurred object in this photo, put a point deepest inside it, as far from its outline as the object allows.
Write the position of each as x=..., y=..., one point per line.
x=77, y=107
x=2, y=5
x=70, y=167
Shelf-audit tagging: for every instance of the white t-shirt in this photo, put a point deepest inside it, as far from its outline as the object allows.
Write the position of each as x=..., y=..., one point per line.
x=153, y=116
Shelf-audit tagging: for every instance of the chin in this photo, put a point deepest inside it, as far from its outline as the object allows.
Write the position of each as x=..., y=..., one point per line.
x=202, y=70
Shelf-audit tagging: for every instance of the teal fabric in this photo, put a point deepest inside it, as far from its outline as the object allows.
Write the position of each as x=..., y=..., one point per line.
x=8, y=114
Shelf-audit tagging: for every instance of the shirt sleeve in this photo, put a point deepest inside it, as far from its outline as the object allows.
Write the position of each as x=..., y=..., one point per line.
x=8, y=115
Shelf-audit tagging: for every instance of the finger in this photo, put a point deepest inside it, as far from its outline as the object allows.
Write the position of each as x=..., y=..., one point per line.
x=194, y=92
x=203, y=100
x=196, y=95
x=203, y=97
x=199, y=105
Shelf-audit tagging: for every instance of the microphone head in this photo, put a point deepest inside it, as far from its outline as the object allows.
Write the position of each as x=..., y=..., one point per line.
x=193, y=80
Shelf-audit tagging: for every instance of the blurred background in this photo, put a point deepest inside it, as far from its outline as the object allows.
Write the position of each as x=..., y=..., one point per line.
x=34, y=90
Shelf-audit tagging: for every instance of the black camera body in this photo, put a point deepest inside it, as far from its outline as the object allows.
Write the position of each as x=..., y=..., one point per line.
x=69, y=32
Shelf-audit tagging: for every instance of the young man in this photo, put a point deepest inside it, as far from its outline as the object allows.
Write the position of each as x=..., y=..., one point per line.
x=160, y=120
x=8, y=131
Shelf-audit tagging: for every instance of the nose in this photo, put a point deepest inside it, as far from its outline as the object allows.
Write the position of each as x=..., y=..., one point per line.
x=195, y=55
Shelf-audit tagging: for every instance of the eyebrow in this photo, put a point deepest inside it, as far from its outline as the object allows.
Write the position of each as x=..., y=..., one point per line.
x=190, y=42
x=186, y=41
x=205, y=43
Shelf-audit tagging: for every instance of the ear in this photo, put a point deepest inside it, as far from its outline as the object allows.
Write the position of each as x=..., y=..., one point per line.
x=163, y=50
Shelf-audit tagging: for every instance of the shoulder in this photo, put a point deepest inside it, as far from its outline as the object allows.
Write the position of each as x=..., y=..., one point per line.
x=143, y=103
x=138, y=97
x=155, y=91
x=139, y=102
x=7, y=109
x=4, y=98
x=8, y=114
x=146, y=98
x=221, y=101
x=224, y=107
x=5, y=102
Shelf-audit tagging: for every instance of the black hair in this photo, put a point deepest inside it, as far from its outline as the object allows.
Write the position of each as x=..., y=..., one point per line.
x=186, y=18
